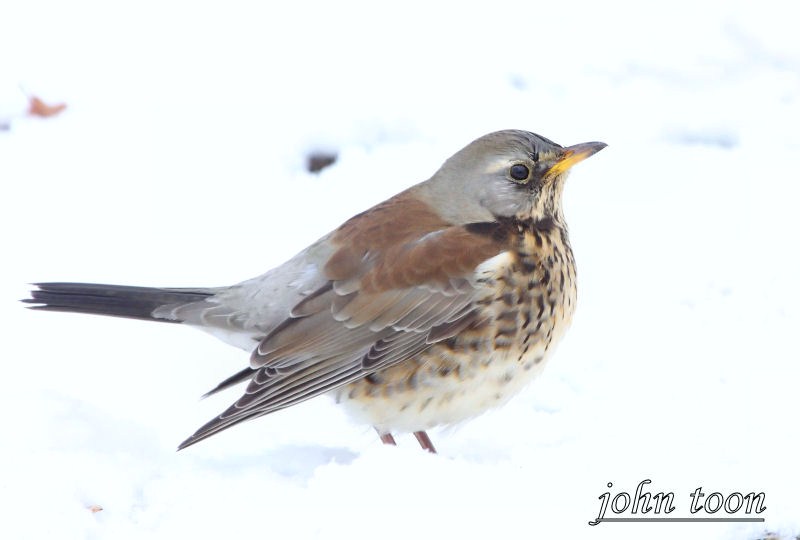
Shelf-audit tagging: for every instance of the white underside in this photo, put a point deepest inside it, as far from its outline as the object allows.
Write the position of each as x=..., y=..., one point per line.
x=444, y=400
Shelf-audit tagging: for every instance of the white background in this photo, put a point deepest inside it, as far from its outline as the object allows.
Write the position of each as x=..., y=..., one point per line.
x=180, y=162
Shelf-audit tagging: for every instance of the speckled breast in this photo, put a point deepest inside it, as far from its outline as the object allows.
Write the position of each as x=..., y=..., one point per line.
x=529, y=299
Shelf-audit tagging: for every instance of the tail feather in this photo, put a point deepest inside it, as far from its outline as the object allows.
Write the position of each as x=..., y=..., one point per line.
x=244, y=375
x=112, y=300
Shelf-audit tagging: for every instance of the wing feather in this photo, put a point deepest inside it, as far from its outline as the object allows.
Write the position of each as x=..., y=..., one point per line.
x=384, y=302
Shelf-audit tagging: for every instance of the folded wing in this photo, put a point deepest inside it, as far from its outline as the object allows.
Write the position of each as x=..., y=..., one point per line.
x=388, y=295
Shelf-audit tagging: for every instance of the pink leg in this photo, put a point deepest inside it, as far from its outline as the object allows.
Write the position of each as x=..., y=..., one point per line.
x=425, y=441
x=386, y=438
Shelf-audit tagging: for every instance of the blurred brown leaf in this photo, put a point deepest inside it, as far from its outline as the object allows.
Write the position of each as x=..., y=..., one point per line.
x=37, y=107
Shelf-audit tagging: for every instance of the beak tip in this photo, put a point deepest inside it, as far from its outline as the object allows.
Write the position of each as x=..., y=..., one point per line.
x=595, y=146
x=579, y=152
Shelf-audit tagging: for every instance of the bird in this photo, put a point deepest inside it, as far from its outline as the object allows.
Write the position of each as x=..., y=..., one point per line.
x=426, y=310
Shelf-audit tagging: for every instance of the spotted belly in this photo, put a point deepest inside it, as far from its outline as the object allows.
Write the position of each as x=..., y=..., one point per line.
x=438, y=389
x=529, y=309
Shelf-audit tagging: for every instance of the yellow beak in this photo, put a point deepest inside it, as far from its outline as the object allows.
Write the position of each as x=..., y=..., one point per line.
x=572, y=155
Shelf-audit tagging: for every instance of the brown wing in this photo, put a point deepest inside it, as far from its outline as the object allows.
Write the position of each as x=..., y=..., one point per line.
x=392, y=292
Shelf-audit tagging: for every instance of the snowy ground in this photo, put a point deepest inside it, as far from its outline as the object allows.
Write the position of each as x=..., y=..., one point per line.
x=180, y=163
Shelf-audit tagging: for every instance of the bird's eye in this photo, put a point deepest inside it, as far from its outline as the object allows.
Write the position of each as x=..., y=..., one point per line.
x=519, y=172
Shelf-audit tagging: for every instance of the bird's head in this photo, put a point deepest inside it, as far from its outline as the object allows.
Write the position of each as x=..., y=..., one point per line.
x=506, y=174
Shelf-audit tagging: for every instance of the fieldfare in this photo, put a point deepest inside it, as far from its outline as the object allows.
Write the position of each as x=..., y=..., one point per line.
x=427, y=309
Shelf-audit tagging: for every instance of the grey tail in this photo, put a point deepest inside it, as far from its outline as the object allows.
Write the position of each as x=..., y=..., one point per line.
x=113, y=300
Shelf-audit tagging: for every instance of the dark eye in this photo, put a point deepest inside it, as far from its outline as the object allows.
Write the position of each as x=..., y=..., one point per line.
x=519, y=172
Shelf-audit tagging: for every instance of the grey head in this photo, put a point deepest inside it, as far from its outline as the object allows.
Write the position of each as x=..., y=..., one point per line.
x=505, y=174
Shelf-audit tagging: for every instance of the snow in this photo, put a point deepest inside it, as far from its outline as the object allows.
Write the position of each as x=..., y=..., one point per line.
x=179, y=162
